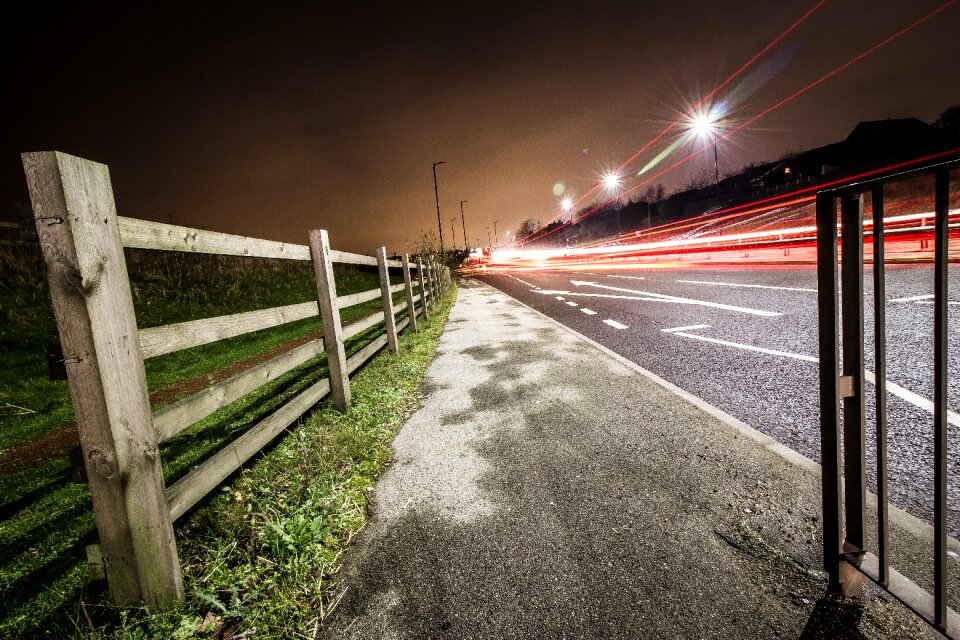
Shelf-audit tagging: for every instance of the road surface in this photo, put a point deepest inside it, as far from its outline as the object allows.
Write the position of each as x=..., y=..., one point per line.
x=745, y=340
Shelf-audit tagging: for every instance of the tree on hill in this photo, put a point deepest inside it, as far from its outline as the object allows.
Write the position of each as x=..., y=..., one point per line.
x=949, y=120
x=527, y=227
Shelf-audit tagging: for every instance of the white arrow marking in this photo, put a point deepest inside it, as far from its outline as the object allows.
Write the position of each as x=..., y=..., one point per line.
x=665, y=298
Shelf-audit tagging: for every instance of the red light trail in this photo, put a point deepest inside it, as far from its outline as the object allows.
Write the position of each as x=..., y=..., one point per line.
x=685, y=115
x=760, y=115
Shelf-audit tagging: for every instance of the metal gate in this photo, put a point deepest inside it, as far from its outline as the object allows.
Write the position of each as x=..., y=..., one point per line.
x=845, y=555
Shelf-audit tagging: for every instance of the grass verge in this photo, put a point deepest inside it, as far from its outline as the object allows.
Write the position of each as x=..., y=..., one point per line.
x=263, y=552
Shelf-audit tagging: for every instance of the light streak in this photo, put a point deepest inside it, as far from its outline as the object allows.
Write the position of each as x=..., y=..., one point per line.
x=765, y=112
x=700, y=102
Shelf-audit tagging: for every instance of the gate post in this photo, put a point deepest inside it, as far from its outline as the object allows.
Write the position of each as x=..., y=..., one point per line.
x=80, y=238
x=828, y=321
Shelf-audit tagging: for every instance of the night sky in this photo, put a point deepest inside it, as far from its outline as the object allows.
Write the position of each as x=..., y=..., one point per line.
x=268, y=120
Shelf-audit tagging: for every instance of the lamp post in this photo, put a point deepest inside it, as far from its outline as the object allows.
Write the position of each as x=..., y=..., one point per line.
x=453, y=232
x=436, y=192
x=489, y=241
x=705, y=126
x=464, y=223
x=495, y=232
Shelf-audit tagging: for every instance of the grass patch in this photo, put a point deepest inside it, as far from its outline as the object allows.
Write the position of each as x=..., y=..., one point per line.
x=263, y=551
x=45, y=521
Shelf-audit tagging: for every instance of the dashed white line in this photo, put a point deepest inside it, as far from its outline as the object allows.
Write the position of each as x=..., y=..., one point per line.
x=589, y=312
x=629, y=277
x=615, y=324
x=560, y=298
x=949, y=302
x=752, y=286
x=572, y=304
x=690, y=328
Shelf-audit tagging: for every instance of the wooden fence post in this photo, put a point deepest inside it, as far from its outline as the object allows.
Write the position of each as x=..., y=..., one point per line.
x=411, y=307
x=79, y=235
x=387, y=297
x=423, y=288
x=330, y=314
x=432, y=274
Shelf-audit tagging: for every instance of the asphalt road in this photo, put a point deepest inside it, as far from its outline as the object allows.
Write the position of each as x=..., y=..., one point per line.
x=745, y=340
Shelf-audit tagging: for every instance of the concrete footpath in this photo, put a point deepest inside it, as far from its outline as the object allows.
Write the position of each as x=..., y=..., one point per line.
x=546, y=489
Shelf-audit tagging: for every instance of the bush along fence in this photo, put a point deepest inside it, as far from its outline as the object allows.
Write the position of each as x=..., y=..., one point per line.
x=82, y=239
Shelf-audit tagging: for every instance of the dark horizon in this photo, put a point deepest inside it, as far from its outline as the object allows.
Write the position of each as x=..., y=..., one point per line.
x=268, y=121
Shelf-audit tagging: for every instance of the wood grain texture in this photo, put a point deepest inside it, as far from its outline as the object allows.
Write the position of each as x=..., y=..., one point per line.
x=387, y=299
x=175, y=417
x=330, y=313
x=191, y=488
x=143, y=234
x=408, y=288
x=358, y=327
x=94, y=312
x=354, y=299
x=344, y=257
x=157, y=341
x=424, y=292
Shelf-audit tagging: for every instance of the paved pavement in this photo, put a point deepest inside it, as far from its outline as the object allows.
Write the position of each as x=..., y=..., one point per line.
x=546, y=489
x=745, y=340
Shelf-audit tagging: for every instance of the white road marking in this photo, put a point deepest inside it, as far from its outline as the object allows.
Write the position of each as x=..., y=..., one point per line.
x=551, y=292
x=572, y=304
x=532, y=286
x=949, y=302
x=928, y=296
x=892, y=387
x=752, y=286
x=678, y=300
x=615, y=324
x=560, y=298
x=589, y=312
x=690, y=328
x=629, y=277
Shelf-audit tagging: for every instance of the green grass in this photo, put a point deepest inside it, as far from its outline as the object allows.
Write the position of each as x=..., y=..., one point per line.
x=263, y=551
x=45, y=521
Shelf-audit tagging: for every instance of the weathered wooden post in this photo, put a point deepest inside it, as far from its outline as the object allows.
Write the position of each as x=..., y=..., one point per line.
x=387, y=297
x=432, y=274
x=330, y=314
x=408, y=286
x=77, y=226
x=423, y=288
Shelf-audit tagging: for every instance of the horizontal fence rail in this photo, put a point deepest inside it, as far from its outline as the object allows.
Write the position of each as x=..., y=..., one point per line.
x=119, y=433
x=843, y=435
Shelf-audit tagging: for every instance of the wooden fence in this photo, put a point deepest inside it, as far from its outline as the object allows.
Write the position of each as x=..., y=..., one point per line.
x=82, y=239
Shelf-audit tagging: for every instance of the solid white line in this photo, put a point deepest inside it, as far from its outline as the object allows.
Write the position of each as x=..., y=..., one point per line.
x=629, y=277
x=589, y=312
x=752, y=286
x=912, y=298
x=573, y=304
x=667, y=298
x=949, y=302
x=615, y=324
x=892, y=387
x=532, y=286
x=748, y=347
x=691, y=327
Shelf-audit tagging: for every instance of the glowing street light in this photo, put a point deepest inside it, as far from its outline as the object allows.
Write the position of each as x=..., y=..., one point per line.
x=567, y=204
x=611, y=181
x=704, y=125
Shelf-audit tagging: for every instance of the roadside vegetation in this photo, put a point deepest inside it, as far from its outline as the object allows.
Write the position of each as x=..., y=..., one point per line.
x=46, y=520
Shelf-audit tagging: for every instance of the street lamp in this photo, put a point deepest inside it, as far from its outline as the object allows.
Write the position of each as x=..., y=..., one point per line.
x=466, y=245
x=453, y=232
x=705, y=126
x=436, y=192
x=495, y=232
